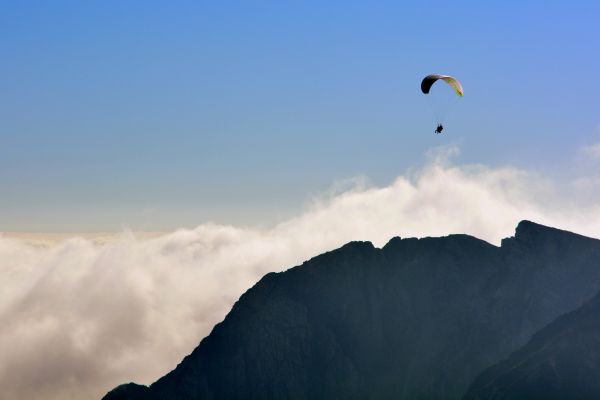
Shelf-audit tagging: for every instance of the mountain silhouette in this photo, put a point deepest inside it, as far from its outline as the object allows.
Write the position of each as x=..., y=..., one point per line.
x=416, y=319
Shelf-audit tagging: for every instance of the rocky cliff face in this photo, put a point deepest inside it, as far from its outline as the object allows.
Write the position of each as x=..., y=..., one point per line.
x=562, y=361
x=417, y=319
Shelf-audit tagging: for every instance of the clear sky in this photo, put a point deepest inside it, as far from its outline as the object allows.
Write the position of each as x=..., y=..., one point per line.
x=156, y=115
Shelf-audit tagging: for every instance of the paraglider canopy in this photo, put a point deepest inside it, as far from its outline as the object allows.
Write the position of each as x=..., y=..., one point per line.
x=429, y=80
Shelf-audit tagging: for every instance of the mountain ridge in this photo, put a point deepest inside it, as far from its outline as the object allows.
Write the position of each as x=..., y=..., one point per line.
x=390, y=322
x=561, y=361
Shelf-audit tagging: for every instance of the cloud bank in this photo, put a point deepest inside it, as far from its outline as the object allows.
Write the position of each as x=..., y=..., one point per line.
x=79, y=317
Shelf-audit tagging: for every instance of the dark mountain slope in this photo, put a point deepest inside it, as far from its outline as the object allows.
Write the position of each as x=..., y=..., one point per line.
x=418, y=319
x=562, y=361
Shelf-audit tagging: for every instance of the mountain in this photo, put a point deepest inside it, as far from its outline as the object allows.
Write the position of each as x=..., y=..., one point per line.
x=562, y=361
x=416, y=319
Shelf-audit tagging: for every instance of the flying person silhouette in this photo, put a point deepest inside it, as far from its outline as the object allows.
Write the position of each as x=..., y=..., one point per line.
x=439, y=128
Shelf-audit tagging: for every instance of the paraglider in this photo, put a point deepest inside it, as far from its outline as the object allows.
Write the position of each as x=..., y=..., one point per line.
x=428, y=82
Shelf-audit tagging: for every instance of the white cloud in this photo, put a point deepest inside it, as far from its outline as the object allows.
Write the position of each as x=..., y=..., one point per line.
x=79, y=317
x=592, y=151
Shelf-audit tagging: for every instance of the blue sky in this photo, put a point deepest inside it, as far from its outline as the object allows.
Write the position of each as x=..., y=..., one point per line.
x=156, y=115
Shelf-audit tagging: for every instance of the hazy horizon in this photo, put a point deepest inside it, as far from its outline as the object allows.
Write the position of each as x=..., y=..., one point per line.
x=154, y=116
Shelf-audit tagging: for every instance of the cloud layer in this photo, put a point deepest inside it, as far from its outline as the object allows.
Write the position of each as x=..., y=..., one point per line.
x=79, y=317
